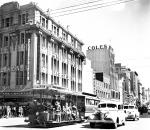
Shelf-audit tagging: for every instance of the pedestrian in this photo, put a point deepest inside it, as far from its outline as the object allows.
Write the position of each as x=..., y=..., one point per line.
x=8, y=111
x=58, y=112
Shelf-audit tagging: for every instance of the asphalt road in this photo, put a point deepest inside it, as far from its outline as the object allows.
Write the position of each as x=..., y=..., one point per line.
x=19, y=124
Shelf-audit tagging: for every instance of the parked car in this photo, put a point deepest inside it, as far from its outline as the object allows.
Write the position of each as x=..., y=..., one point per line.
x=148, y=110
x=108, y=113
x=131, y=112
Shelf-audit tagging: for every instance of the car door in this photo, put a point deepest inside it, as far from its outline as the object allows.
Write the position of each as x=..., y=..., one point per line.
x=121, y=113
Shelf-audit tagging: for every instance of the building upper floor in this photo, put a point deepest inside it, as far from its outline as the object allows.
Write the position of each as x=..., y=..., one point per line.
x=14, y=17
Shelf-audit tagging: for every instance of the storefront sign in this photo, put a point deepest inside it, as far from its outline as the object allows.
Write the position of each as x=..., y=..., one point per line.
x=97, y=47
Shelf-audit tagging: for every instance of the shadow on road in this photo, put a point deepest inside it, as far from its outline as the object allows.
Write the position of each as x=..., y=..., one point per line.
x=145, y=115
x=104, y=126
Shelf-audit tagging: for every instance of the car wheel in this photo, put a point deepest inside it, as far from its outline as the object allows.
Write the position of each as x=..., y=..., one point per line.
x=135, y=118
x=115, y=125
x=123, y=123
x=92, y=125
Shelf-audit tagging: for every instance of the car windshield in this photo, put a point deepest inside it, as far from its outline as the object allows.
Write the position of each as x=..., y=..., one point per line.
x=131, y=107
x=102, y=105
x=125, y=107
x=111, y=105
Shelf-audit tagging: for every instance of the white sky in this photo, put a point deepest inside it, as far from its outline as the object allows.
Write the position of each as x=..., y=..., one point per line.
x=126, y=27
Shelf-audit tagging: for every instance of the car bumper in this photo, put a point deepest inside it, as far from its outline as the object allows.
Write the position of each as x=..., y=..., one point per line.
x=103, y=121
x=130, y=117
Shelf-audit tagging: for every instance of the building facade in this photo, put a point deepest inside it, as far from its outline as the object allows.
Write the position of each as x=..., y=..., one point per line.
x=124, y=76
x=134, y=85
x=103, y=58
x=37, y=53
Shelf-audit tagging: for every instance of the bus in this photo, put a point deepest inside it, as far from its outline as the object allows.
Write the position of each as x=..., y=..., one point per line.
x=91, y=103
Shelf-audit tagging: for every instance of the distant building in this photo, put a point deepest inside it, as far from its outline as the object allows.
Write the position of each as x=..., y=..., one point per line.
x=88, y=78
x=102, y=59
x=134, y=85
x=147, y=95
x=124, y=76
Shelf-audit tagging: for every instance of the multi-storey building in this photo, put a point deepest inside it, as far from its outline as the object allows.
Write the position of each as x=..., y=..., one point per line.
x=102, y=58
x=87, y=80
x=147, y=95
x=134, y=84
x=37, y=53
x=124, y=76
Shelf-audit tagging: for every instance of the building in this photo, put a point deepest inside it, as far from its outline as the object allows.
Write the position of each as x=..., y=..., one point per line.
x=87, y=81
x=38, y=56
x=124, y=76
x=147, y=95
x=102, y=59
x=134, y=85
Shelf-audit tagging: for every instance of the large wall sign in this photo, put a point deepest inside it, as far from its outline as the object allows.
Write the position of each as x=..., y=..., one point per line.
x=97, y=47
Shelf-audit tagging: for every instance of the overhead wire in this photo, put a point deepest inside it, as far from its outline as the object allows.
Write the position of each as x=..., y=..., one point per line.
x=76, y=5
x=106, y=4
x=88, y=6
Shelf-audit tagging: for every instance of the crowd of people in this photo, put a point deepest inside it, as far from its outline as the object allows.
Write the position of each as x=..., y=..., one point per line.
x=7, y=111
x=57, y=111
x=65, y=113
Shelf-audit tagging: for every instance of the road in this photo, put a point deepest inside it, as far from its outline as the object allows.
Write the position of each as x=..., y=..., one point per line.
x=19, y=124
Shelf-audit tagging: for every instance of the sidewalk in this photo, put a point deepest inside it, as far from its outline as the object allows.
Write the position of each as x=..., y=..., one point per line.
x=12, y=121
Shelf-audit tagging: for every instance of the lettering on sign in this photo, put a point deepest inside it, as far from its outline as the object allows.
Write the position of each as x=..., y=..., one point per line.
x=97, y=47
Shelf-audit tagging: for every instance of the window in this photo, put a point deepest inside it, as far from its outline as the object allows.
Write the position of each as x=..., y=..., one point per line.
x=44, y=42
x=43, y=60
x=64, y=36
x=4, y=79
x=27, y=15
x=73, y=42
x=55, y=30
x=21, y=57
x=7, y=22
x=43, y=78
x=43, y=22
x=3, y=23
x=5, y=59
x=102, y=105
x=5, y=41
x=19, y=19
x=22, y=38
x=23, y=18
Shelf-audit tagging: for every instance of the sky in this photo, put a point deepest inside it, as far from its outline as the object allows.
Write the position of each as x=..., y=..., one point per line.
x=125, y=27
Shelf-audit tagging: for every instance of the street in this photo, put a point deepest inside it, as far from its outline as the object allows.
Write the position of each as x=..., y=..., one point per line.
x=18, y=123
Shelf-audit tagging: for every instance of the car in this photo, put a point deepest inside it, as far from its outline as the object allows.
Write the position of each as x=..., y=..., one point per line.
x=131, y=112
x=108, y=113
x=148, y=111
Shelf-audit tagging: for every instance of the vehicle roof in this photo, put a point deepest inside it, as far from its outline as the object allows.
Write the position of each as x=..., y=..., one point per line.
x=110, y=103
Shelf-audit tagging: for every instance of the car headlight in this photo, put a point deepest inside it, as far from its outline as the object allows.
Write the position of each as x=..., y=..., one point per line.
x=106, y=114
x=91, y=116
x=37, y=113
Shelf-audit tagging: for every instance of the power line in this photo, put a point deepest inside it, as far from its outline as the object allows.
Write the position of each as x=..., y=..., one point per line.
x=88, y=6
x=77, y=5
x=107, y=4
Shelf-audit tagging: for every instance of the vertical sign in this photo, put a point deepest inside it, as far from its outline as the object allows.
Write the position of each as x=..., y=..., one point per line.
x=28, y=63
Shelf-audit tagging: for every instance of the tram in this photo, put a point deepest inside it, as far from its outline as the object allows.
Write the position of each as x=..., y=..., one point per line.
x=53, y=107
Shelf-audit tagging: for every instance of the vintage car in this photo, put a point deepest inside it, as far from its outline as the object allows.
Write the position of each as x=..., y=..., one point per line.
x=131, y=112
x=108, y=113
